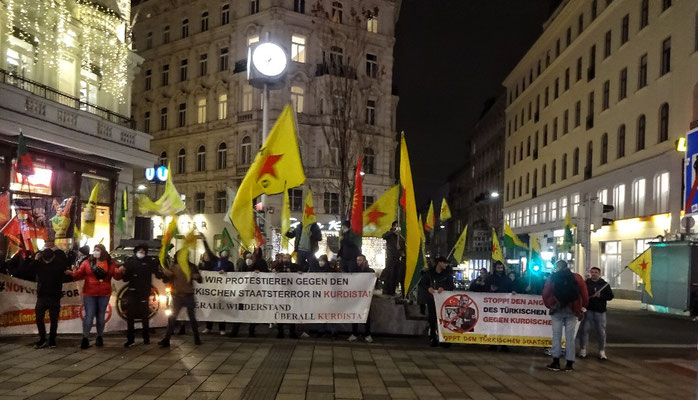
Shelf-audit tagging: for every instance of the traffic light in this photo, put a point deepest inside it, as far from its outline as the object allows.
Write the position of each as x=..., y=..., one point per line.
x=598, y=210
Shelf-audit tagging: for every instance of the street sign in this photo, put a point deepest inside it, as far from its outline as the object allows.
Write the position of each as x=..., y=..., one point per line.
x=690, y=199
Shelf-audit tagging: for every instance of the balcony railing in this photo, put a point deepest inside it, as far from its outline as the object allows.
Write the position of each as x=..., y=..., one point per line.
x=54, y=95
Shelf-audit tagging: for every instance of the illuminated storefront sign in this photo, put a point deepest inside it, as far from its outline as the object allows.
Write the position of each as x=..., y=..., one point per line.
x=39, y=182
x=158, y=174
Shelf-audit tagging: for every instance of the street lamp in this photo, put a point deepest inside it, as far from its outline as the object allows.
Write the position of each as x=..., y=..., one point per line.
x=494, y=195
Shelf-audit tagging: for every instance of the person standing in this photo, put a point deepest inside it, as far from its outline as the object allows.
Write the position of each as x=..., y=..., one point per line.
x=436, y=280
x=49, y=273
x=565, y=294
x=182, y=297
x=254, y=262
x=394, y=244
x=480, y=284
x=348, y=249
x=305, y=244
x=498, y=281
x=595, y=318
x=97, y=271
x=138, y=274
x=286, y=265
x=220, y=264
x=362, y=266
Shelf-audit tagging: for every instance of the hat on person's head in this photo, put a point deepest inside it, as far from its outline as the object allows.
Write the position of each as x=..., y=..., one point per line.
x=85, y=250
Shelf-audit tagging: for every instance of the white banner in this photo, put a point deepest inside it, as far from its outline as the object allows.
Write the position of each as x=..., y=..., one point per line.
x=284, y=297
x=493, y=318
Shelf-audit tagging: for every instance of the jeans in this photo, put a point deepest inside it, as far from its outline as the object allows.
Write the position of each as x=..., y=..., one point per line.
x=95, y=306
x=306, y=260
x=53, y=305
x=179, y=302
x=596, y=321
x=221, y=326
x=367, y=326
x=567, y=319
x=138, y=308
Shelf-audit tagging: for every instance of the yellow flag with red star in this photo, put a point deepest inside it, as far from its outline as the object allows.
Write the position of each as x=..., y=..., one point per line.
x=496, y=249
x=642, y=266
x=429, y=223
x=445, y=213
x=379, y=217
x=309, y=216
x=276, y=167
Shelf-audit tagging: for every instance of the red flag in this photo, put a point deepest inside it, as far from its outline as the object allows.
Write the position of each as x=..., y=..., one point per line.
x=5, y=212
x=357, y=207
x=12, y=230
x=258, y=237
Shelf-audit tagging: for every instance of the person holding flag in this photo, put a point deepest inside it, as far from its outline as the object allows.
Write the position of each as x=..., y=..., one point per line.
x=182, y=278
x=394, y=253
x=138, y=272
x=306, y=236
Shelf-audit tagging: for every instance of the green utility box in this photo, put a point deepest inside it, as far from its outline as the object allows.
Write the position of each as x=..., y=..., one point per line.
x=674, y=278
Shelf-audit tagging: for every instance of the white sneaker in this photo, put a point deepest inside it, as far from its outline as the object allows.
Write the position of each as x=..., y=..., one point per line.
x=602, y=355
x=353, y=338
x=205, y=331
x=222, y=333
x=368, y=339
x=304, y=335
x=582, y=352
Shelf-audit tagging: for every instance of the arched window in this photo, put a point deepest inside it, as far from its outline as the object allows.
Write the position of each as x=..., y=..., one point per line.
x=201, y=159
x=575, y=162
x=246, y=150
x=162, y=160
x=337, y=12
x=664, y=122
x=222, y=156
x=369, y=161
x=553, y=173
x=181, y=161
x=563, y=173
x=640, y=142
x=604, y=148
x=621, y=142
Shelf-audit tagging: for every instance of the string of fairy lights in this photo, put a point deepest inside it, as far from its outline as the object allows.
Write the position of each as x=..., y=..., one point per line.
x=102, y=42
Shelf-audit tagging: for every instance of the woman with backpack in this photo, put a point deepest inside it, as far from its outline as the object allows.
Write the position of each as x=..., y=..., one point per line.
x=565, y=294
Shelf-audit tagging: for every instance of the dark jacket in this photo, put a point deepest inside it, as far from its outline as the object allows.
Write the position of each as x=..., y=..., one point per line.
x=49, y=277
x=215, y=263
x=315, y=236
x=433, y=279
x=17, y=266
x=286, y=267
x=499, y=283
x=394, y=245
x=598, y=304
x=348, y=251
x=259, y=265
x=582, y=299
x=139, y=275
x=180, y=285
x=479, y=285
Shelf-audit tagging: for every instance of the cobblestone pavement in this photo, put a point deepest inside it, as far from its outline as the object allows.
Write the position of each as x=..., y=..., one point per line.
x=260, y=368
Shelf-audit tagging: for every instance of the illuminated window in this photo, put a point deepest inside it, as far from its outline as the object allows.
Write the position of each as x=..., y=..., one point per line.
x=223, y=106
x=298, y=48
x=297, y=95
x=201, y=111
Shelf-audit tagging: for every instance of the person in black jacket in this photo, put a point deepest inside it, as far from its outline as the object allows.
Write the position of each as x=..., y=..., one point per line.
x=394, y=246
x=480, y=284
x=436, y=280
x=362, y=266
x=254, y=262
x=138, y=272
x=595, y=317
x=348, y=249
x=48, y=270
x=305, y=244
x=498, y=281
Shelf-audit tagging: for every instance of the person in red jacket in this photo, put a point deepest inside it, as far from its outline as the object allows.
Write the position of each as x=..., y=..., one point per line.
x=565, y=294
x=97, y=271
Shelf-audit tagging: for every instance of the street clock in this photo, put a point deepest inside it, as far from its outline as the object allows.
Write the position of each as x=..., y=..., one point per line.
x=266, y=65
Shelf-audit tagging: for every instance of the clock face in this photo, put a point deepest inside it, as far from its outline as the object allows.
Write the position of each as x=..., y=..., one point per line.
x=269, y=59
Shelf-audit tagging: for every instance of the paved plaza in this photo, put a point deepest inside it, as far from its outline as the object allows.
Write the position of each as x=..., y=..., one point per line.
x=285, y=369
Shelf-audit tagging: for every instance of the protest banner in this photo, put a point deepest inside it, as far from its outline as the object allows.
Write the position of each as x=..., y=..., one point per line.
x=493, y=318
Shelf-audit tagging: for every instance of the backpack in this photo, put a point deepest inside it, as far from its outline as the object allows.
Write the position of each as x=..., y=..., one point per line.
x=565, y=288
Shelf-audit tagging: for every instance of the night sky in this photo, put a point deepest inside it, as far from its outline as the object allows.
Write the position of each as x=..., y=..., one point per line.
x=450, y=56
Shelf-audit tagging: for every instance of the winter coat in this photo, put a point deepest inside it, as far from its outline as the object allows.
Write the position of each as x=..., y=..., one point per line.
x=286, y=267
x=582, y=299
x=93, y=286
x=139, y=275
x=479, y=285
x=181, y=286
x=432, y=279
x=259, y=265
x=348, y=250
x=49, y=277
x=499, y=283
x=315, y=236
x=598, y=304
x=394, y=245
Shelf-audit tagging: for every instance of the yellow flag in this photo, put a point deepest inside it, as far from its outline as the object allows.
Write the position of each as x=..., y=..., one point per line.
x=285, y=220
x=511, y=240
x=276, y=167
x=445, y=213
x=183, y=253
x=459, y=248
x=90, y=213
x=412, y=225
x=167, y=237
x=429, y=224
x=642, y=266
x=309, y=216
x=170, y=203
x=379, y=217
x=496, y=250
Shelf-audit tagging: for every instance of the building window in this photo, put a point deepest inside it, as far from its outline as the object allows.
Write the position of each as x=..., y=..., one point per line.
x=644, y=14
x=556, y=88
x=297, y=94
x=183, y=70
x=201, y=159
x=594, y=9
x=606, y=95
x=607, y=45
x=223, y=106
x=254, y=6
x=577, y=114
x=580, y=24
x=163, y=118
x=221, y=203
x=575, y=162
x=661, y=192
x=148, y=79
x=252, y=40
x=166, y=34
x=568, y=37
x=563, y=207
x=200, y=203
x=299, y=6
x=604, y=149
x=371, y=65
x=369, y=161
x=546, y=97
x=621, y=142
x=298, y=48
x=204, y=21
x=575, y=204
x=371, y=112
x=639, y=197
x=554, y=129
x=544, y=213
x=331, y=203
x=624, y=29
x=623, y=84
x=182, y=115
x=295, y=199
x=566, y=122
x=640, y=143
x=181, y=161
x=567, y=79
x=602, y=195
x=544, y=176
x=642, y=72
x=519, y=218
x=149, y=41
x=553, y=173
x=534, y=215
x=619, y=201
x=222, y=156
x=527, y=216
x=201, y=111
x=563, y=172
x=665, y=5
x=579, y=69
x=246, y=98
x=223, y=59
x=162, y=160
x=545, y=135
x=165, y=75
x=146, y=122
x=337, y=12
x=372, y=24
x=368, y=201
x=666, y=57
x=225, y=14
x=664, y=122
x=557, y=48
x=185, y=28
x=246, y=150
x=203, y=64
